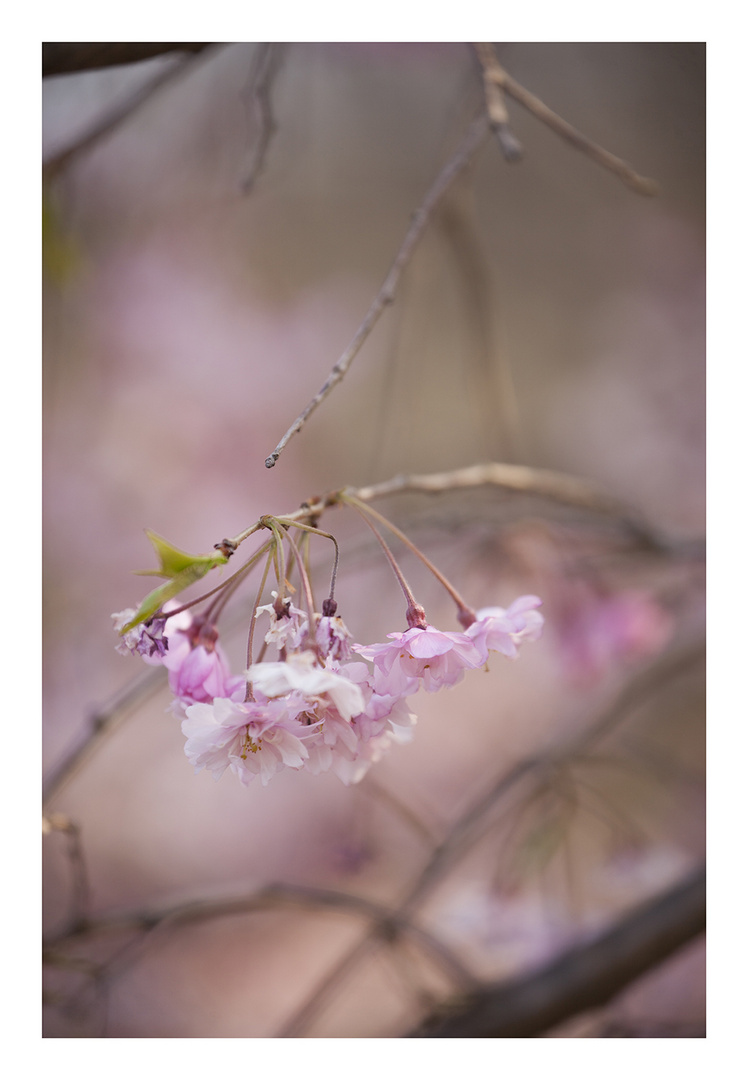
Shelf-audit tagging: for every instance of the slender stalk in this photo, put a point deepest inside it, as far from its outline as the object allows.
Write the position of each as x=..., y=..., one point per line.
x=416, y=615
x=310, y=529
x=233, y=584
x=253, y=622
x=306, y=587
x=279, y=554
x=465, y=614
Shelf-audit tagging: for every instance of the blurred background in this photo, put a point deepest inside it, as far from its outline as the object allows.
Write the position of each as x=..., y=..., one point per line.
x=550, y=317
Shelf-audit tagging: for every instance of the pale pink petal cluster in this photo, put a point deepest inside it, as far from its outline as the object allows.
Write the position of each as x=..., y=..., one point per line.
x=502, y=630
x=128, y=642
x=289, y=629
x=198, y=668
x=251, y=738
x=315, y=708
x=598, y=632
x=321, y=686
x=333, y=637
x=421, y=656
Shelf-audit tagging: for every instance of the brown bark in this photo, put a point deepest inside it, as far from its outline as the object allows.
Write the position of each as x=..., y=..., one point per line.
x=66, y=57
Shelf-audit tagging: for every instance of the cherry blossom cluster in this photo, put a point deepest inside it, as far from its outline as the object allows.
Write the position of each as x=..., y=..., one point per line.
x=326, y=703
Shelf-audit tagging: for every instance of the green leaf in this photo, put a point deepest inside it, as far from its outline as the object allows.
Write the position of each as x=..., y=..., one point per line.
x=173, y=560
x=182, y=570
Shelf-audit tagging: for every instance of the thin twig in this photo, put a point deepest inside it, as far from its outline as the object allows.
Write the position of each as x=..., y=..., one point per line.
x=508, y=142
x=474, y=138
x=585, y=977
x=494, y=74
x=266, y=64
x=113, y=118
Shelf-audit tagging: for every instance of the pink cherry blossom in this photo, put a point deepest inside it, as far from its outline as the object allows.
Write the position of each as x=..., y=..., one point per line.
x=333, y=637
x=249, y=737
x=501, y=630
x=436, y=658
x=201, y=675
x=289, y=629
x=598, y=631
x=303, y=672
x=128, y=642
x=197, y=665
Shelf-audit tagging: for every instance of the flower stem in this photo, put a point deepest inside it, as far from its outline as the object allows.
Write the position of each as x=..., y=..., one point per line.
x=307, y=587
x=317, y=532
x=249, y=696
x=465, y=614
x=415, y=614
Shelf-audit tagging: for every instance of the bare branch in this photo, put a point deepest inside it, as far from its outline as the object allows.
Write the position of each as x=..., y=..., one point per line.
x=521, y=479
x=67, y=57
x=586, y=977
x=464, y=154
x=494, y=74
x=266, y=63
x=508, y=142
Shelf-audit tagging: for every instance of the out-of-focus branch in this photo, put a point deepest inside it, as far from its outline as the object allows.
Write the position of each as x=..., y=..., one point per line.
x=80, y=891
x=474, y=138
x=113, y=118
x=101, y=723
x=467, y=829
x=266, y=63
x=470, y=825
x=586, y=977
x=495, y=75
x=523, y=480
x=387, y=924
x=67, y=57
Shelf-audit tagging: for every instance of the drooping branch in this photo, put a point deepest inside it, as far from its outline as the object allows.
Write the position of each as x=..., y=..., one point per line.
x=68, y=57
x=474, y=138
x=586, y=977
